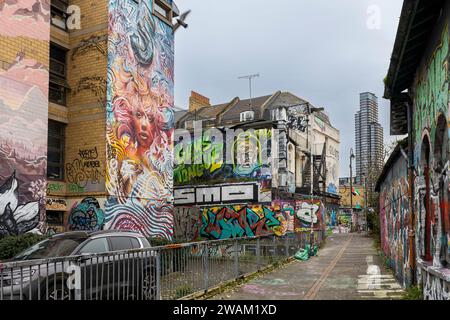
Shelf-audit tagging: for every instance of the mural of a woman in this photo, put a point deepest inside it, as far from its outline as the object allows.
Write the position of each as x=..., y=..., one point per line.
x=139, y=120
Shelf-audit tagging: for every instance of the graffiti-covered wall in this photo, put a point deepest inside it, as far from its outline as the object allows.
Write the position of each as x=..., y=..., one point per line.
x=234, y=221
x=228, y=158
x=432, y=157
x=24, y=43
x=140, y=120
x=394, y=218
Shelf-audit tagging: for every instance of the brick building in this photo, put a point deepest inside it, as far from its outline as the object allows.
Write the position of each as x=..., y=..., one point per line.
x=83, y=115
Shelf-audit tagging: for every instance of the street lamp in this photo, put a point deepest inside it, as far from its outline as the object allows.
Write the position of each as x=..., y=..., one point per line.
x=352, y=156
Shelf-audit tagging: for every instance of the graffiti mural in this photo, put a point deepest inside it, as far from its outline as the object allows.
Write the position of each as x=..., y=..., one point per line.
x=23, y=116
x=186, y=226
x=87, y=216
x=432, y=89
x=308, y=212
x=248, y=150
x=239, y=221
x=431, y=155
x=140, y=120
x=394, y=219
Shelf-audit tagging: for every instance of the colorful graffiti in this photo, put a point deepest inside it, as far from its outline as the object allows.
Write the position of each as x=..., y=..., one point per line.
x=431, y=156
x=86, y=215
x=432, y=89
x=239, y=221
x=23, y=116
x=140, y=120
x=248, y=150
x=308, y=213
x=394, y=219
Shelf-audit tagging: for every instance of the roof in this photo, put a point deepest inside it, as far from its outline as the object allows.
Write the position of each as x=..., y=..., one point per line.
x=417, y=21
x=395, y=155
x=245, y=105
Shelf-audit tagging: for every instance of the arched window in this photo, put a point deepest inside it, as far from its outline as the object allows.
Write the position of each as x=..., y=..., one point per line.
x=425, y=204
x=440, y=168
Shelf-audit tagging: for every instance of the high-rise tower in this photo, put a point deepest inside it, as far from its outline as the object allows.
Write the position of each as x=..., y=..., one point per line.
x=368, y=138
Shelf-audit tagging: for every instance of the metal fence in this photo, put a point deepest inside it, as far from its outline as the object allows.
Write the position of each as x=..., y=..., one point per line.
x=168, y=272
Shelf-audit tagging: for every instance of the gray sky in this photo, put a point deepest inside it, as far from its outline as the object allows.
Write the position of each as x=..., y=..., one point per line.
x=320, y=50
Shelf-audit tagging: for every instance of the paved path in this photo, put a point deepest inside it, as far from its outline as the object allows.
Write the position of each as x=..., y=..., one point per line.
x=346, y=268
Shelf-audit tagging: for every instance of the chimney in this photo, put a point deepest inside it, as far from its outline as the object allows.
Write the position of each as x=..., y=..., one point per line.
x=197, y=101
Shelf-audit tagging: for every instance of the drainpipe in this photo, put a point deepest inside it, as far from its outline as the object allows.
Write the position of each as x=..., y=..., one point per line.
x=411, y=171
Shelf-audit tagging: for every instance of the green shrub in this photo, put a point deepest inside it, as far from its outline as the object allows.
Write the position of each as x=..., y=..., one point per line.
x=12, y=245
x=413, y=293
x=158, y=242
x=183, y=291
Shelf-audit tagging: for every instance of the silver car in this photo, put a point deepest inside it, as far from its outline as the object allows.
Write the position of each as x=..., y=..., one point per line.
x=82, y=265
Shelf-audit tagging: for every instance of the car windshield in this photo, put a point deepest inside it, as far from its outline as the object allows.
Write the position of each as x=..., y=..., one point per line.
x=50, y=248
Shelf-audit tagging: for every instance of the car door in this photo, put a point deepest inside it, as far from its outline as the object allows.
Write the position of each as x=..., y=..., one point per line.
x=123, y=265
x=95, y=271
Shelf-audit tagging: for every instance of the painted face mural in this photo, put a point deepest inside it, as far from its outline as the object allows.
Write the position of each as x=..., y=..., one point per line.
x=86, y=215
x=250, y=158
x=23, y=116
x=139, y=120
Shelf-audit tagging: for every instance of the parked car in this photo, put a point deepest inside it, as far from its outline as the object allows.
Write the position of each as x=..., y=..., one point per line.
x=101, y=265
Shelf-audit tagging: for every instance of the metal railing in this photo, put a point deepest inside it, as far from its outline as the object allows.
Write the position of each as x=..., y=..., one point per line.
x=168, y=272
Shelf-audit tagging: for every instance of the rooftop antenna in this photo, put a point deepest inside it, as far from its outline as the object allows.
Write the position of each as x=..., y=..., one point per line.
x=250, y=77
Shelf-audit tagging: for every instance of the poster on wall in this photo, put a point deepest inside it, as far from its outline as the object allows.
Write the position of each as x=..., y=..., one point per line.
x=23, y=115
x=140, y=120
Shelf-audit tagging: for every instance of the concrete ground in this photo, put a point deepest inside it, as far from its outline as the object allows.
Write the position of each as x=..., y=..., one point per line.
x=346, y=268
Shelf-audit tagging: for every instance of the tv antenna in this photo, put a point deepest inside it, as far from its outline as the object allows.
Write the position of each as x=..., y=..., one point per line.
x=249, y=78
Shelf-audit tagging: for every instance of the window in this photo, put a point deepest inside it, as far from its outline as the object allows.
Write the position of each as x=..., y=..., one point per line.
x=163, y=10
x=59, y=13
x=121, y=243
x=99, y=245
x=58, y=74
x=247, y=116
x=55, y=150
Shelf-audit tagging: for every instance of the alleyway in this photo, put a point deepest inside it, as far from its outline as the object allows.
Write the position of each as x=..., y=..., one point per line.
x=347, y=268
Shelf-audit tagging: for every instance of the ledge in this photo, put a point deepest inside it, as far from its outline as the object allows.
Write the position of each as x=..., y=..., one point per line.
x=440, y=272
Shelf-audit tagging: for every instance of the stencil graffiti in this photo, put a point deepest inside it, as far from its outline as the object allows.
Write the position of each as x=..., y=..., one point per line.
x=86, y=215
x=140, y=120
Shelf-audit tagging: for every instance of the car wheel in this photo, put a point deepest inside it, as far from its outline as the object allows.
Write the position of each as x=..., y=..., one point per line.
x=57, y=292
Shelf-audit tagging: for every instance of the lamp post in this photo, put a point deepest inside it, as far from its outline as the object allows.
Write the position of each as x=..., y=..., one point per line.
x=352, y=156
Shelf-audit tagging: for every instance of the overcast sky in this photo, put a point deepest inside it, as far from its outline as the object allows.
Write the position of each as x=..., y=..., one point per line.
x=321, y=50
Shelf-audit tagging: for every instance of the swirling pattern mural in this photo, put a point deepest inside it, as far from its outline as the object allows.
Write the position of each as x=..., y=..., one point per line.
x=140, y=121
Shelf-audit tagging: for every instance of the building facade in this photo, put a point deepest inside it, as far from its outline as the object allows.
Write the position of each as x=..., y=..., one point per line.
x=368, y=138
x=69, y=83
x=245, y=171
x=415, y=187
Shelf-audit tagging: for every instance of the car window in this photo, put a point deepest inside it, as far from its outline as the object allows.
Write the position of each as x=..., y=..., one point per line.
x=145, y=242
x=120, y=243
x=136, y=244
x=50, y=248
x=99, y=245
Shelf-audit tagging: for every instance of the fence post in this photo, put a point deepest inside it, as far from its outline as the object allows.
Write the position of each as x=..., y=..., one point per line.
x=236, y=259
x=286, y=244
x=258, y=253
x=158, y=275
x=205, y=267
